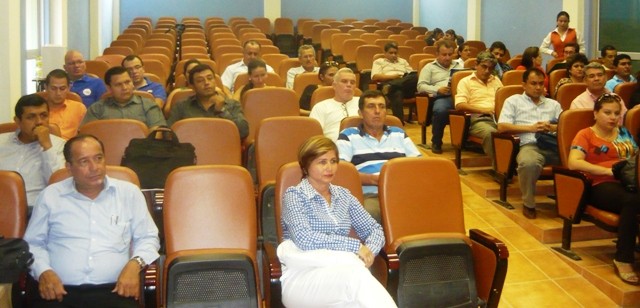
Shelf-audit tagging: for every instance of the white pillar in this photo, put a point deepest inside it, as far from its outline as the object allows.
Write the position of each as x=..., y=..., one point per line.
x=272, y=9
x=416, y=13
x=10, y=58
x=474, y=18
x=115, y=27
x=95, y=33
x=58, y=22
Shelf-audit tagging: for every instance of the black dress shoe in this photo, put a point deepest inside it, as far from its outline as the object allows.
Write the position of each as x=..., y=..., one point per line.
x=436, y=148
x=529, y=212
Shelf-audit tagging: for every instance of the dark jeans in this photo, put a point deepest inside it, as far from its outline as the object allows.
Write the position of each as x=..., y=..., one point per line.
x=400, y=89
x=441, y=107
x=612, y=197
x=81, y=296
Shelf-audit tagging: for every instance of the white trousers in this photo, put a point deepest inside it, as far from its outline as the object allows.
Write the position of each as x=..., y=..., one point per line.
x=327, y=278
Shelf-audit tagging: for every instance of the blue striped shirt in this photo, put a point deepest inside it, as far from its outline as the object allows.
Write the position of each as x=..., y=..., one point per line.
x=368, y=154
x=311, y=223
x=519, y=109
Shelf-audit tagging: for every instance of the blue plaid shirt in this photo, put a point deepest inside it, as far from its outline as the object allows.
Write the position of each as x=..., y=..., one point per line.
x=309, y=221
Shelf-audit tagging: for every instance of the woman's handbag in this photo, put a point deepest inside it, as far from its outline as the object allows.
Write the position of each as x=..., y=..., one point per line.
x=153, y=158
x=626, y=171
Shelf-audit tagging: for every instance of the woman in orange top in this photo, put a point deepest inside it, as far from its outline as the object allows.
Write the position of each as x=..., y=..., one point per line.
x=553, y=43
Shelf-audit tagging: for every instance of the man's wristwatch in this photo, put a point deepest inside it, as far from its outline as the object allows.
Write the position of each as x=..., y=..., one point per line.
x=140, y=262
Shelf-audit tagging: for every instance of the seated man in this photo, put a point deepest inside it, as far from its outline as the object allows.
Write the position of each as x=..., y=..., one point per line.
x=135, y=67
x=307, y=58
x=569, y=50
x=525, y=115
x=622, y=64
x=435, y=79
x=594, y=77
x=476, y=94
x=498, y=50
x=607, y=54
x=330, y=112
x=208, y=101
x=90, y=89
x=123, y=104
x=394, y=73
x=65, y=113
x=32, y=150
x=371, y=144
x=251, y=51
x=90, y=235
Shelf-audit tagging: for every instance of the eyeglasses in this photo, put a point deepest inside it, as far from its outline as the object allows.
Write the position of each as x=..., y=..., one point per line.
x=330, y=63
x=607, y=97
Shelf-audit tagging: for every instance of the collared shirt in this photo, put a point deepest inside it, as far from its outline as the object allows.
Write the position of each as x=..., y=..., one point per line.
x=330, y=113
x=34, y=165
x=473, y=91
x=368, y=154
x=156, y=89
x=385, y=67
x=616, y=80
x=191, y=108
x=501, y=68
x=138, y=108
x=587, y=100
x=232, y=71
x=519, y=109
x=295, y=71
x=90, y=89
x=311, y=223
x=548, y=48
x=434, y=76
x=89, y=241
x=67, y=116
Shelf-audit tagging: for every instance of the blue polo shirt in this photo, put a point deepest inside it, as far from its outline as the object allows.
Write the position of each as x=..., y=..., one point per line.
x=90, y=89
x=156, y=89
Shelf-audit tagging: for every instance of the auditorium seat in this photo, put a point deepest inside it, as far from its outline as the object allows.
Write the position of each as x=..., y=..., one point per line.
x=13, y=205
x=217, y=141
x=115, y=134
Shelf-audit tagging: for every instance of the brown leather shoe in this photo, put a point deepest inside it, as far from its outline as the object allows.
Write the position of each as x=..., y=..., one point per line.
x=529, y=212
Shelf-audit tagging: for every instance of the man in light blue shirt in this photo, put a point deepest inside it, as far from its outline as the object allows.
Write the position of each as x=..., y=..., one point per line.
x=90, y=235
x=525, y=115
x=622, y=64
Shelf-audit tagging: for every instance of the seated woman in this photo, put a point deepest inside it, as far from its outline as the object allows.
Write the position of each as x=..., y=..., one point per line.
x=531, y=57
x=322, y=265
x=594, y=150
x=257, y=71
x=325, y=74
x=436, y=35
x=575, y=71
x=451, y=35
x=464, y=51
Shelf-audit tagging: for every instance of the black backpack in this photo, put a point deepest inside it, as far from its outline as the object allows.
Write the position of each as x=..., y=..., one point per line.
x=15, y=259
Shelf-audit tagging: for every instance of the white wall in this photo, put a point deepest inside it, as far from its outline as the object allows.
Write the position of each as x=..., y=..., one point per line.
x=10, y=58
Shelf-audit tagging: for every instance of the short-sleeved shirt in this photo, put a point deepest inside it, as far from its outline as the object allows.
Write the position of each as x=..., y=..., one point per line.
x=520, y=109
x=586, y=100
x=475, y=92
x=137, y=108
x=604, y=153
x=156, y=89
x=330, y=113
x=295, y=71
x=616, y=80
x=68, y=117
x=191, y=108
x=385, y=67
x=90, y=89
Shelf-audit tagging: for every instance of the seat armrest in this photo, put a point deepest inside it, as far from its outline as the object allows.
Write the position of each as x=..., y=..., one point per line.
x=572, y=189
x=275, y=267
x=490, y=256
x=459, y=122
x=493, y=243
x=424, y=108
x=505, y=150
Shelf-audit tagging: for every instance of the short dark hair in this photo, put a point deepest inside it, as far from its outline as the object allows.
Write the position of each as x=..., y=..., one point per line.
x=189, y=62
x=534, y=71
x=116, y=70
x=619, y=57
x=575, y=46
x=66, y=151
x=369, y=94
x=603, y=51
x=576, y=57
x=131, y=58
x=56, y=73
x=563, y=13
x=31, y=100
x=197, y=69
x=498, y=44
x=445, y=43
x=390, y=45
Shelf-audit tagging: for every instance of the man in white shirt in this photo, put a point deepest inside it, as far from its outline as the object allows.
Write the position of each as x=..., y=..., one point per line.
x=251, y=52
x=394, y=71
x=330, y=112
x=307, y=58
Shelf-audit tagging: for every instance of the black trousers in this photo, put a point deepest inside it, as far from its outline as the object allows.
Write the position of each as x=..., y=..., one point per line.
x=399, y=89
x=612, y=197
x=81, y=296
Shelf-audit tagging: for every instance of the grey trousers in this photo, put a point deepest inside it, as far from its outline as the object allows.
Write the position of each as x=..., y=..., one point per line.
x=482, y=127
x=531, y=160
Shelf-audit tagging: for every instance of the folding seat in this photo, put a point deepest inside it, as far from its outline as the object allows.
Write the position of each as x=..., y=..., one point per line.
x=358, y=24
x=266, y=42
x=139, y=39
x=116, y=172
x=251, y=36
x=211, y=236
x=167, y=43
x=316, y=37
x=200, y=42
x=158, y=68
x=356, y=33
x=349, y=51
x=262, y=23
x=175, y=96
x=70, y=95
x=430, y=50
x=193, y=50
x=285, y=65
x=515, y=61
x=370, y=21
x=218, y=35
x=163, y=58
x=405, y=52
x=268, y=49
x=250, y=30
x=323, y=93
x=370, y=38
x=301, y=81
x=179, y=71
x=98, y=67
x=126, y=43
x=118, y=50
x=223, y=41
x=414, y=60
x=421, y=30
x=382, y=24
x=624, y=90
x=568, y=92
x=226, y=59
x=512, y=77
x=159, y=50
x=554, y=78
x=54, y=129
x=393, y=21
x=479, y=45
x=337, y=45
x=259, y=104
x=137, y=31
x=335, y=23
x=553, y=62
x=272, y=80
x=325, y=42
x=13, y=205
x=632, y=123
x=193, y=35
x=373, y=29
x=115, y=134
x=431, y=260
x=219, y=51
x=217, y=141
x=349, y=20
x=394, y=29
x=346, y=28
x=405, y=25
x=307, y=30
x=274, y=60
x=411, y=34
x=365, y=55
x=215, y=29
x=399, y=38
x=236, y=29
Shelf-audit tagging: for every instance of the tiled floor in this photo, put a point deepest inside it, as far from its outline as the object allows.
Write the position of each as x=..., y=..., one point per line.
x=538, y=276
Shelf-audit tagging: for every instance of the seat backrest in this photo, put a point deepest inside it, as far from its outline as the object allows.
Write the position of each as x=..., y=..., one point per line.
x=412, y=203
x=414, y=59
x=174, y=97
x=166, y=62
x=54, y=129
x=271, y=152
x=384, y=33
x=399, y=38
x=274, y=60
x=70, y=95
x=349, y=49
x=411, y=34
x=167, y=43
x=290, y=174
x=325, y=37
x=570, y=123
x=116, y=172
x=13, y=205
x=354, y=121
x=307, y=28
x=479, y=45
x=554, y=77
x=268, y=49
x=430, y=50
x=502, y=94
x=356, y=33
x=248, y=35
x=514, y=62
x=156, y=49
x=283, y=25
x=322, y=93
x=112, y=60
x=337, y=42
x=568, y=92
x=382, y=42
x=301, y=81
x=262, y=23
x=285, y=65
x=227, y=59
x=624, y=90
x=158, y=68
x=417, y=45
x=316, y=33
x=180, y=66
x=372, y=29
x=126, y=43
x=512, y=77
x=272, y=79
x=115, y=134
x=553, y=62
x=365, y=55
x=217, y=141
x=259, y=104
x=370, y=38
x=98, y=67
x=632, y=123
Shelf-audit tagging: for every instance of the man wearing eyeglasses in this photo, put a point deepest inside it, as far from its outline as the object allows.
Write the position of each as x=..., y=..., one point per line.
x=330, y=112
x=595, y=78
x=476, y=94
x=135, y=67
x=89, y=88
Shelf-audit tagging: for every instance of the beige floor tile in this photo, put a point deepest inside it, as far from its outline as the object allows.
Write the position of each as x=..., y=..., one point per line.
x=550, y=264
x=519, y=238
x=522, y=270
x=584, y=292
x=538, y=294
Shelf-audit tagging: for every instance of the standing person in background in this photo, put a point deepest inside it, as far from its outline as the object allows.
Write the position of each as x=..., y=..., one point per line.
x=553, y=43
